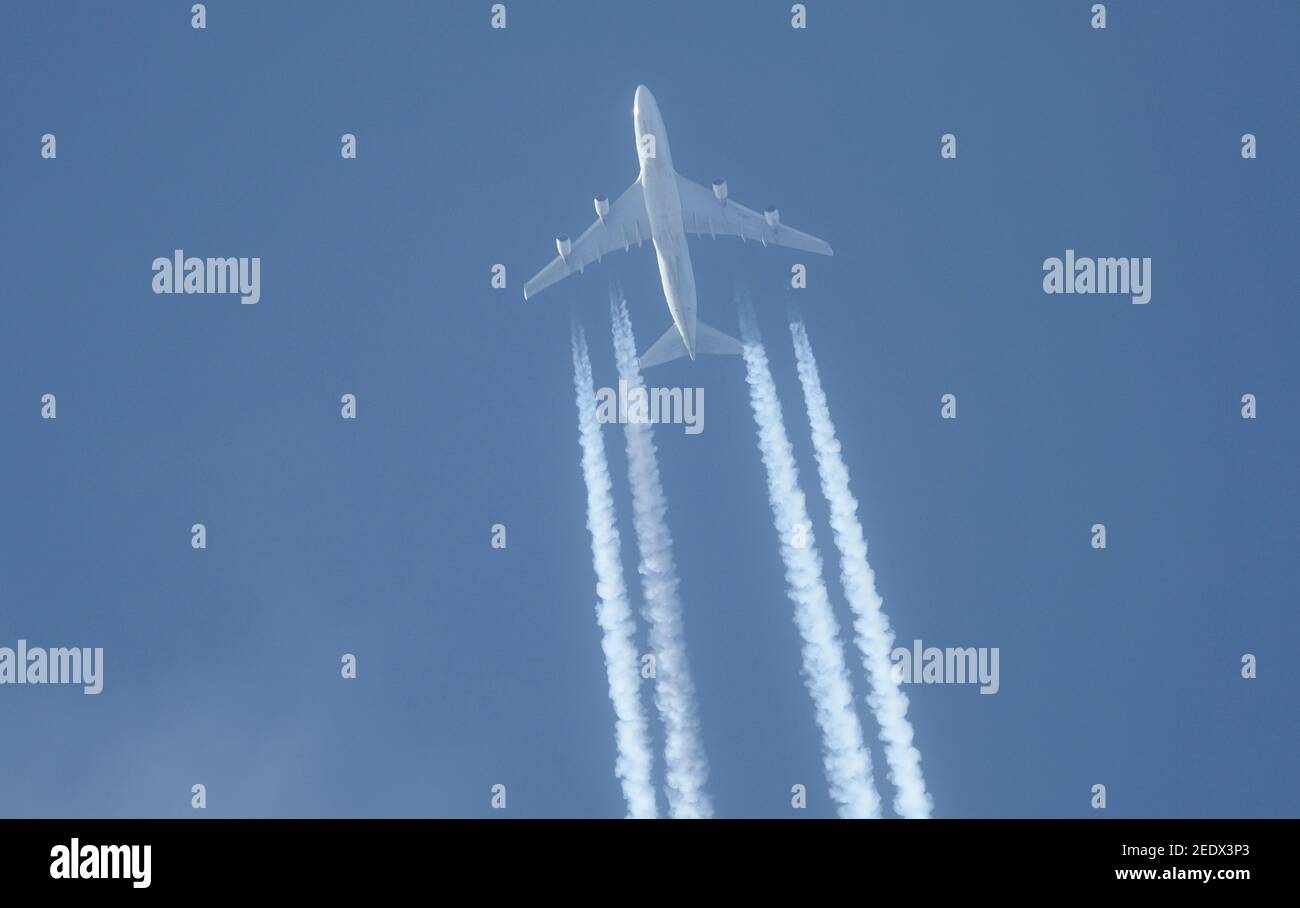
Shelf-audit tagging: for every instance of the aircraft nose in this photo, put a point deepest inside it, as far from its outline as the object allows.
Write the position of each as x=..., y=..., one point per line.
x=643, y=98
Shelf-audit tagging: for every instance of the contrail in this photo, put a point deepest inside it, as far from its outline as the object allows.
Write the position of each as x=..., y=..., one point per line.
x=847, y=759
x=875, y=639
x=687, y=769
x=614, y=614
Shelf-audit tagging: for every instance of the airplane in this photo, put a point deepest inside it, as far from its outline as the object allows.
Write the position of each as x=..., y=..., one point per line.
x=663, y=206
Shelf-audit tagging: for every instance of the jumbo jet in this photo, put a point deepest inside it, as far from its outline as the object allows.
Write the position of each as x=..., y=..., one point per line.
x=663, y=206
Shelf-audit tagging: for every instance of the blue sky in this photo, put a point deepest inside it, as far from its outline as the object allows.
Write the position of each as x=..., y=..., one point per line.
x=475, y=146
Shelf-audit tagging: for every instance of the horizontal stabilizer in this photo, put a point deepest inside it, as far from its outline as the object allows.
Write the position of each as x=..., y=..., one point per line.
x=665, y=350
x=710, y=340
x=670, y=347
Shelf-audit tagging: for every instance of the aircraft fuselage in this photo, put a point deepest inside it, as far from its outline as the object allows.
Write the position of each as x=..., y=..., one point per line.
x=663, y=207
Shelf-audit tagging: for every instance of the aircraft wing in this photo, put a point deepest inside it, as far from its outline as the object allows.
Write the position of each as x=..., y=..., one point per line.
x=625, y=223
x=704, y=215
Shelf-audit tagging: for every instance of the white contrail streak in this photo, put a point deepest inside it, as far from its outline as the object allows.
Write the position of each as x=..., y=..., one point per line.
x=613, y=612
x=847, y=759
x=875, y=639
x=686, y=768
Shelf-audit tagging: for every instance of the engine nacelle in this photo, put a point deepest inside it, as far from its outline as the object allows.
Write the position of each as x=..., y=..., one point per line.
x=720, y=190
x=772, y=216
x=564, y=245
x=602, y=208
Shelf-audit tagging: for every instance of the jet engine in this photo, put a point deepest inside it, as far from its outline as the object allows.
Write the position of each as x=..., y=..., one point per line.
x=564, y=245
x=602, y=208
x=720, y=190
x=773, y=216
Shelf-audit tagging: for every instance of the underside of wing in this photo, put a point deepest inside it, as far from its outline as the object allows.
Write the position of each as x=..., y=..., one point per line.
x=709, y=212
x=618, y=226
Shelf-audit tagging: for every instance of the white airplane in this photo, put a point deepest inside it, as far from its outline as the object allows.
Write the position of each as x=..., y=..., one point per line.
x=663, y=206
